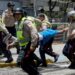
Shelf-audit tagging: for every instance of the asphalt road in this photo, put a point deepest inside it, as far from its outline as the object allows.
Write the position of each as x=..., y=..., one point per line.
x=52, y=69
x=58, y=68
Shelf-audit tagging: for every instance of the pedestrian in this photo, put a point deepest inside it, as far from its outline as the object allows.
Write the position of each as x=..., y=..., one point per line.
x=9, y=21
x=69, y=48
x=47, y=38
x=3, y=45
x=28, y=39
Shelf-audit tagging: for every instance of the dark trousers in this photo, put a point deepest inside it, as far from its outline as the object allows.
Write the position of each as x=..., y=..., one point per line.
x=69, y=50
x=7, y=53
x=12, y=30
x=47, y=48
x=28, y=64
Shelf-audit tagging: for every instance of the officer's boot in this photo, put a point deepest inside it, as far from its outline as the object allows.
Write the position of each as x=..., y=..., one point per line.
x=0, y=52
x=72, y=65
x=17, y=47
x=8, y=54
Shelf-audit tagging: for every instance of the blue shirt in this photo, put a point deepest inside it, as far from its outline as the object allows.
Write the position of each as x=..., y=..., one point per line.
x=48, y=34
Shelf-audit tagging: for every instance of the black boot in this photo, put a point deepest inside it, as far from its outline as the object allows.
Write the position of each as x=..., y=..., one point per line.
x=8, y=55
x=17, y=47
x=9, y=60
x=72, y=66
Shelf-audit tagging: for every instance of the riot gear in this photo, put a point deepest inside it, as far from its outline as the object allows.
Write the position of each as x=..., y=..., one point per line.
x=18, y=11
x=71, y=14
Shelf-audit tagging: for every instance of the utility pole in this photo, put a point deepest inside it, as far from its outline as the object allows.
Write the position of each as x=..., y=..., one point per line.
x=35, y=8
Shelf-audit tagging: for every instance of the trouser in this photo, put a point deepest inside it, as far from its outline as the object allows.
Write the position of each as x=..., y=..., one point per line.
x=28, y=64
x=47, y=48
x=66, y=51
x=21, y=56
x=17, y=47
x=12, y=30
x=7, y=53
x=69, y=50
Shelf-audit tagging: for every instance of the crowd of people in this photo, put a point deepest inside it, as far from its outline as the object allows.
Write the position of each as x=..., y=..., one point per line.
x=26, y=33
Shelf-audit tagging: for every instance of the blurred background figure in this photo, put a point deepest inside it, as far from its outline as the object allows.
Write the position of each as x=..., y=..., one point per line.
x=41, y=10
x=8, y=19
x=45, y=23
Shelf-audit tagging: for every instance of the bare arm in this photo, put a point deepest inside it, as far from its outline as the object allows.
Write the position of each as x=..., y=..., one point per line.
x=3, y=28
x=64, y=30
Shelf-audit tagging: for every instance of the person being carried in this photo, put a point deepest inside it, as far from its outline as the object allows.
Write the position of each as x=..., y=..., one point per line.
x=46, y=39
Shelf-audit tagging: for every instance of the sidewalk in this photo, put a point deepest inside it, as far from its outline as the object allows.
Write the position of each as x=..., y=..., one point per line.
x=56, y=48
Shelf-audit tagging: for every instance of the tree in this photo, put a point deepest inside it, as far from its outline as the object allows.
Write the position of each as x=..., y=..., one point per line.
x=73, y=0
x=51, y=6
x=64, y=9
x=65, y=12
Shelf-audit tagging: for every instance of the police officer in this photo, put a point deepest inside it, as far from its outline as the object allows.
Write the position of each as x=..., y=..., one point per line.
x=69, y=47
x=28, y=39
x=3, y=45
x=42, y=11
x=45, y=23
x=8, y=19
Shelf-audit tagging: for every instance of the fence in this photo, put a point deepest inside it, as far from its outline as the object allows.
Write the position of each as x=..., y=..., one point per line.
x=62, y=37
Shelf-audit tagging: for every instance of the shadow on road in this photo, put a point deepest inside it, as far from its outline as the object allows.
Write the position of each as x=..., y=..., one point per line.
x=51, y=68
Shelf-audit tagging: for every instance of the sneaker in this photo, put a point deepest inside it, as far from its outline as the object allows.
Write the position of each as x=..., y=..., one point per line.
x=9, y=60
x=56, y=58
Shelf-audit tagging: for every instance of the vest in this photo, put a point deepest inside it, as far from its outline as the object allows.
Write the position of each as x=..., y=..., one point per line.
x=21, y=39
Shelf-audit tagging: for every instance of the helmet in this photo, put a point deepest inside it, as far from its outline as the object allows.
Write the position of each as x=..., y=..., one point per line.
x=41, y=10
x=18, y=11
x=71, y=14
x=9, y=4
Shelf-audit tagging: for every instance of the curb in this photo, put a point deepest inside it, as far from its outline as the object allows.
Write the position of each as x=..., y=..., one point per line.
x=13, y=64
x=2, y=64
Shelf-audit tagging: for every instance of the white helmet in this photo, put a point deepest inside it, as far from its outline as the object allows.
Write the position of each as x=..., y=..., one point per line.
x=71, y=13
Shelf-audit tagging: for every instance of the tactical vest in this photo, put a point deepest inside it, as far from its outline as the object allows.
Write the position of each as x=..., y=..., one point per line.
x=21, y=38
